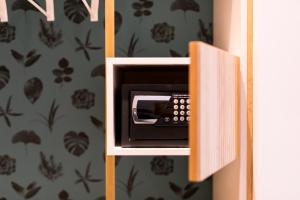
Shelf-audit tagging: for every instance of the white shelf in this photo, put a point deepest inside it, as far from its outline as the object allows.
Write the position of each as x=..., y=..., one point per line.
x=112, y=64
x=149, y=151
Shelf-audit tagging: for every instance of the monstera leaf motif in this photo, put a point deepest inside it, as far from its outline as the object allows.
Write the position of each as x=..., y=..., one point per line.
x=75, y=143
x=75, y=11
x=4, y=76
x=33, y=89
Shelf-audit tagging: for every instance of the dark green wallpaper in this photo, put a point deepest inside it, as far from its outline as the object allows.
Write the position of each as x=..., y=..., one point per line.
x=52, y=99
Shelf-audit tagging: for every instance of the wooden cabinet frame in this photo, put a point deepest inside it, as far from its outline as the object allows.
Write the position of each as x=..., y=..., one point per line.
x=222, y=189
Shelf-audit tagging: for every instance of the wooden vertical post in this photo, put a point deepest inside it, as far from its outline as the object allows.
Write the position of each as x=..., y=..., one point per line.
x=250, y=190
x=110, y=52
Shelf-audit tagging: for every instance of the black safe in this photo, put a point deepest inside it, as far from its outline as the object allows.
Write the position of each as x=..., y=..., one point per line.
x=155, y=115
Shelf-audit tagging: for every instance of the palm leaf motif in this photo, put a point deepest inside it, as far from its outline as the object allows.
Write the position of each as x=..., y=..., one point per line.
x=131, y=50
x=4, y=77
x=131, y=184
x=33, y=89
x=75, y=11
x=205, y=33
x=23, y=5
x=50, y=119
x=49, y=168
x=75, y=143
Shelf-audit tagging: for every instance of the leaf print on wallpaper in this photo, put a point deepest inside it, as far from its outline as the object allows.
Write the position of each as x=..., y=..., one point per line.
x=86, y=178
x=98, y=71
x=4, y=77
x=7, y=112
x=63, y=195
x=7, y=165
x=33, y=89
x=162, y=165
x=7, y=32
x=142, y=8
x=50, y=119
x=96, y=122
x=83, y=99
x=30, y=59
x=49, y=36
x=26, y=137
x=205, y=33
x=185, y=5
x=131, y=184
x=49, y=168
x=131, y=50
x=23, y=5
x=76, y=143
x=26, y=192
x=86, y=46
x=152, y=198
x=174, y=53
x=163, y=32
x=184, y=193
x=64, y=72
x=75, y=11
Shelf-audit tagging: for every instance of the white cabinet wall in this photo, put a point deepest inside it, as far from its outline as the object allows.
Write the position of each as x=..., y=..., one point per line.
x=276, y=99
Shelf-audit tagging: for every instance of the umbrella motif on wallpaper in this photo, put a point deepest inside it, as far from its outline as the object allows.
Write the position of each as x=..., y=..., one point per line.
x=4, y=77
x=7, y=112
x=33, y=89
x=185, y=5
x=26, y=137
x=26, y=192
x=30, y=59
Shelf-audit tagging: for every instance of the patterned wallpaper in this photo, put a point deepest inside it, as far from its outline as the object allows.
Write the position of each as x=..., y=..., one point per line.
x=52, y=99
